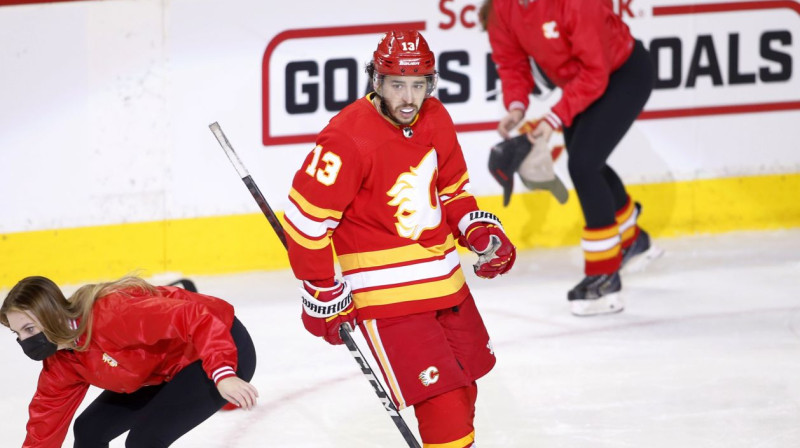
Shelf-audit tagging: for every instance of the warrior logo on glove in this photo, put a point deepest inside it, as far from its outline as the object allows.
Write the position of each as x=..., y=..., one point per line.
x=327, y=305
x=317, y=310
x=483, y=234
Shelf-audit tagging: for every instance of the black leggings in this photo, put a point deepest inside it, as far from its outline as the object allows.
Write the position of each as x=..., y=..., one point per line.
x=158, y=415
x=596, y=131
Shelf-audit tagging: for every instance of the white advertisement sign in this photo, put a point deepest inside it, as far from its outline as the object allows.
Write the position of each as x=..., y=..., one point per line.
x=106, y=103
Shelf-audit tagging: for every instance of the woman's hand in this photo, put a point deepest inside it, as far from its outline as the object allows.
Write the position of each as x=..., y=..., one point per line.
x=238, y=391
x=509, y=122
x=543, y=130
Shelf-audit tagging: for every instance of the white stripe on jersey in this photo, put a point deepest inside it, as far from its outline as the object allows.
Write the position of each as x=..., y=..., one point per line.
x=311, y=228
x=403, y=274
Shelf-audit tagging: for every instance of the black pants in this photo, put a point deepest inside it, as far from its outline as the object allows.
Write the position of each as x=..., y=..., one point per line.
x=596, y=131
x=158, y=415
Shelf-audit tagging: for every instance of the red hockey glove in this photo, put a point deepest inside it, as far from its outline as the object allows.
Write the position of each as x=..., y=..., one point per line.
x=327, y=304
x=483, y=234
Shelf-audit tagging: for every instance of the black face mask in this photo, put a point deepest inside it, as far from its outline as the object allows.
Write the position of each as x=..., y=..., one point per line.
x=38, y=347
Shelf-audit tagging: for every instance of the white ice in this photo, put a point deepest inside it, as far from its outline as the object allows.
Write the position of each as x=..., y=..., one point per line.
x=705, y=355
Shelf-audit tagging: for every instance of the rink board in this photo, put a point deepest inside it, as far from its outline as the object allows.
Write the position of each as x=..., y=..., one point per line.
x=246, y=242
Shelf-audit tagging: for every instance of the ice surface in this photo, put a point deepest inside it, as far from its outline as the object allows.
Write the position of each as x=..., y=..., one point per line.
x=705, y=355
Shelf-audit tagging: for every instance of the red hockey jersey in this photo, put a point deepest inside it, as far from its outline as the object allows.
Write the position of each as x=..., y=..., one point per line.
x=577, y=43
x=389, y=198
x=137, y=340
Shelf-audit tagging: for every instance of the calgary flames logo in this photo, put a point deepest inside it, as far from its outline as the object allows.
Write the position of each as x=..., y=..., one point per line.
x=414, y=195
x=109, y=360
x=429, y=376
x=550, y=30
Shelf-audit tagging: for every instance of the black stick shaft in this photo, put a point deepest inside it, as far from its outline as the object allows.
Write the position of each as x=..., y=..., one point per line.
x=377, y=387
x=265, y=208
x=344, y=329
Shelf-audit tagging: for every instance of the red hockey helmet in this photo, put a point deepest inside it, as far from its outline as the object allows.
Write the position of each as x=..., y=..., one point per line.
x=402, y=53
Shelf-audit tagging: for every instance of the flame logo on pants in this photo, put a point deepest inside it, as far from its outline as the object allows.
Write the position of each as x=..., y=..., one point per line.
x=429, y=376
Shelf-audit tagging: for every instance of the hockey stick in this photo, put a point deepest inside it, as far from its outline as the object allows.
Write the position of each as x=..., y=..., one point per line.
x=344, y=329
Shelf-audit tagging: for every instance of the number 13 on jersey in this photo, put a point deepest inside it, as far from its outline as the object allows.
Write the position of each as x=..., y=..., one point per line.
x=326, y=174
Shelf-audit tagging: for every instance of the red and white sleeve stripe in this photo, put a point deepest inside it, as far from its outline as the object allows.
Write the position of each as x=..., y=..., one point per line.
x=553, y=120
x=517, y=105
x=222, y=373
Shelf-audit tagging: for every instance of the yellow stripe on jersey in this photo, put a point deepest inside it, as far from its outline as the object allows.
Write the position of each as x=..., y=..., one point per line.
x=402, y=254
x=386, y=366
x=463, y=194
x=425, y=270
x=305, y=242
x=603, y=255
x=419, y=291
x=450, y=189
x=462, y=442
x=313, y=210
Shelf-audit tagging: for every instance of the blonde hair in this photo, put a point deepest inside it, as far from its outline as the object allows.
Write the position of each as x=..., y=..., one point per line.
x=42, y=298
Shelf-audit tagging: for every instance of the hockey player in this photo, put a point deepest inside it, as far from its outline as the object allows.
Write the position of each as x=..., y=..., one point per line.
x=387, y=186
x=606, y=78
x=166, y=357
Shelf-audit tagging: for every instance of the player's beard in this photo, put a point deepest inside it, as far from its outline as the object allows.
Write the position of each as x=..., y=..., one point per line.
x=385, y=111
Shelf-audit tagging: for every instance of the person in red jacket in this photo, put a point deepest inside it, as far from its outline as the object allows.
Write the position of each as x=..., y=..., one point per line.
x=606, y=77
x=167, y=358
x=387, y=185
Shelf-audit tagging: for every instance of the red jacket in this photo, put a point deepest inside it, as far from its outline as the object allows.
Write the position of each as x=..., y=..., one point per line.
x=136, y=341
x=577, y=43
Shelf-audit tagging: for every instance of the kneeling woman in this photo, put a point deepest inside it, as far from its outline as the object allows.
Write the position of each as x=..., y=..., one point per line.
x=167, y=358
